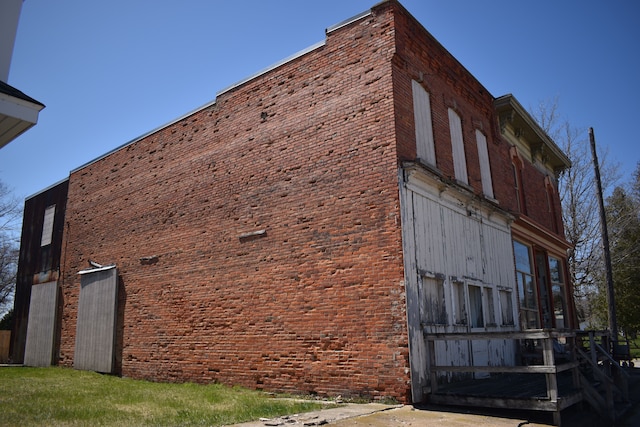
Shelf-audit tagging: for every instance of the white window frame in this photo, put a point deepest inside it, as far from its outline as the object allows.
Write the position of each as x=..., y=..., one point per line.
x=459, y=303
x=433, y=310
x=457, y=145
x=47, y=226
x=425, y=147
x=485, y=166
x=507, y=314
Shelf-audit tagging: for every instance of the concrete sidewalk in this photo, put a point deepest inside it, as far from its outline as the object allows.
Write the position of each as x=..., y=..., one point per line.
x=379, y=415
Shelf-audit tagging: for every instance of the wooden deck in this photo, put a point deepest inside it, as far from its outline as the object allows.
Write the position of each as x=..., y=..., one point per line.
x=509, y=391
x=549, y=387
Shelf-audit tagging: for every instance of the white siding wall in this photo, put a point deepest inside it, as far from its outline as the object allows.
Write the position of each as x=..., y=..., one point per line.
x=41, y=326
x=448, y=237
x=96, y=324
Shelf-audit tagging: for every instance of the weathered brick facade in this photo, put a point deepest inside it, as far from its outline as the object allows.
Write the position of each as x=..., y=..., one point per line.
x=305, y=152
x=258, y=240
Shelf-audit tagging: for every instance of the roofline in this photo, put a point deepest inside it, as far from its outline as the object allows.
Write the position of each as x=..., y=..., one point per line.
x=297, y=54
x=45, y=189
x=348, y=21
x=509, y=100
x=144, y=135
x=271, y=67
x=229, y=88
x=7, y=89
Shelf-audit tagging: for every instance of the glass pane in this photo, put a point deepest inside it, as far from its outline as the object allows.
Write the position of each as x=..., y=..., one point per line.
x=520, y=277
x=532, y=319
x=530, y=299
x=433, y=301
x=460, y=310
x=490, y=314
x=506, y=305
x=475, y=306
x=555, y=267
x=521, y=253
x=559, y=306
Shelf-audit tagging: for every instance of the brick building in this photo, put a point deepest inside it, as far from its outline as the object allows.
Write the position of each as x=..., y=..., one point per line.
x=303, y=231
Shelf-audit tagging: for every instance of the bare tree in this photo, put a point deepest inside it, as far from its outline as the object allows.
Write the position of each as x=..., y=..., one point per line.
x=10, y=215
x=577, y=190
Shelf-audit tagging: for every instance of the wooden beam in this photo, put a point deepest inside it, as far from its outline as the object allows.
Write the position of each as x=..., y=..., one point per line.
x=531, y=369
x=513, y=335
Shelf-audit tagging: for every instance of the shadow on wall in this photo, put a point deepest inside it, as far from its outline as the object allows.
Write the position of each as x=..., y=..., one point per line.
x=119, y=344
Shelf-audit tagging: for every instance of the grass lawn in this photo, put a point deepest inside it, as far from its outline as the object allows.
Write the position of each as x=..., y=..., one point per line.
x=66, y=397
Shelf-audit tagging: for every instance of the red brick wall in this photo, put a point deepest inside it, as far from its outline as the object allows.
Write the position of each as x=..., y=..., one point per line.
x=420, y=57
x=305, y=152
x=540, y=200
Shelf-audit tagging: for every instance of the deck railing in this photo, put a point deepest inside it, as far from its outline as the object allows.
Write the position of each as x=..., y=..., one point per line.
x=549, y=367
x=580, y=349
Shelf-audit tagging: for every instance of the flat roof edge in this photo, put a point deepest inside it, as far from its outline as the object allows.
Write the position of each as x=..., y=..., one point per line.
x=272, y=67
x=228, y=88
x=348, y=21
x=144, y=135
x=46, y=189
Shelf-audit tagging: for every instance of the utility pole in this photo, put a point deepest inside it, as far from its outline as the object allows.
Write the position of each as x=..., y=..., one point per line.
x=613, y=323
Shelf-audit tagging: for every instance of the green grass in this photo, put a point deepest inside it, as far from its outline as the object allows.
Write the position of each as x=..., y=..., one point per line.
x=66, y=397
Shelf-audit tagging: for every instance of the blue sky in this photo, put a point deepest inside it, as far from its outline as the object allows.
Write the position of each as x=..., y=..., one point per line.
x=111, y=71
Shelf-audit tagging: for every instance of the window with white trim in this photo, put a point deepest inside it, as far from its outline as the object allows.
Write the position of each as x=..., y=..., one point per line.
x=459, y=303
x=558, y=292
x=47, y=226
x=485, y=167
x=490, y=307
x=527, y=289
x=506, y=307
x=433, y=306
x=476, y=313
x=425, y=148
x=457, y=145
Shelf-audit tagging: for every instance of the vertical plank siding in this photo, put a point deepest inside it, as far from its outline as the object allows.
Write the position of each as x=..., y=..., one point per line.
x=42, y=324
x=449, y=236
x=96, y=327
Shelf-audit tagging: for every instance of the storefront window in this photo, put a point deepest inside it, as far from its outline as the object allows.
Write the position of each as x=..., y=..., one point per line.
x=558, y=291
x=529, y=318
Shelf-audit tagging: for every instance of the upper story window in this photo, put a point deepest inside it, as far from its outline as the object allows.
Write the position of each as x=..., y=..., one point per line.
x=425, y=149
x=47, y=225
x=516, y=165
x=485, y=167
x=551, y=205
x=457, y=145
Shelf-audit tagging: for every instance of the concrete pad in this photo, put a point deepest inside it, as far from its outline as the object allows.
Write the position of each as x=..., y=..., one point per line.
x=410, y=416
x=322, y=417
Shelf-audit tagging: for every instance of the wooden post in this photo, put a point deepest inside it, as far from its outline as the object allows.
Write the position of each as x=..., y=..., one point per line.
x=433, y=374
x=613, y=323
x=592, y=348
x=552, y=381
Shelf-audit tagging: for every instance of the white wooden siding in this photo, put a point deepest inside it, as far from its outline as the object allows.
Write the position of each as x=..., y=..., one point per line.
x=41, y=326
x=424, y=128
x=97, y=317
x=448, y=236
x=457, y=144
